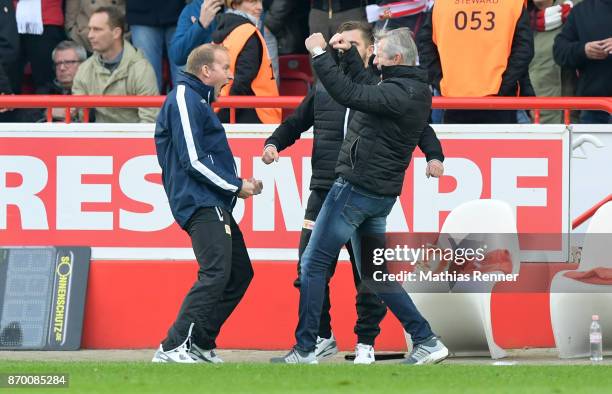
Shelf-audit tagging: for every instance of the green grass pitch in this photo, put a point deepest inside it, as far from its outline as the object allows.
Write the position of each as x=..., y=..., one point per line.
x=123, y=377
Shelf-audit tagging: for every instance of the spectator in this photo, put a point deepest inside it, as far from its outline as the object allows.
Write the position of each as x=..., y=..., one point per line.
x=585, y=44
x=115, y=68
x=250, y=62
x=452, y=42
x=67, y=57
x=549, y=79
x=9, y=44
x=195, y=27
x=288, y=21
x=153, y=24
x=270, y=39
x=9, y=55
x=326, y=16
x=77, y=17
x=41, y=27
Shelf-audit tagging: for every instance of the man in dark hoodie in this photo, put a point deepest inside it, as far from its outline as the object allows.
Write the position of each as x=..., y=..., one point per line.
x=389, y=118
x=200, y=178
x=249, y=60
x=585, y=44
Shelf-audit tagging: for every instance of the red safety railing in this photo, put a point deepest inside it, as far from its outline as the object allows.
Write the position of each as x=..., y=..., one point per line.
x=590, y=212
x=565, y=104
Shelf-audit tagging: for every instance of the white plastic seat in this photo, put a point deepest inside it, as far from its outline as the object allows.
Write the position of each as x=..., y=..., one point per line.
x=573, y=302
x=462, y=317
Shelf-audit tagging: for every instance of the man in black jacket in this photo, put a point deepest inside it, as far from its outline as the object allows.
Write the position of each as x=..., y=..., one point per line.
x=585, y=44
x=329, y=119
x=377, y=149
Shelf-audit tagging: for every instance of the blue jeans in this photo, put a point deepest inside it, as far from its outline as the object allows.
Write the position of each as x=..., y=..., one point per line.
x=152, y=40
x=349, y=212
x=595, y=117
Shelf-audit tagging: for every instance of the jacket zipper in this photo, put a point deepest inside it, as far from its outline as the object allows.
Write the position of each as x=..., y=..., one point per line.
x=330, y=11
x=354, y=147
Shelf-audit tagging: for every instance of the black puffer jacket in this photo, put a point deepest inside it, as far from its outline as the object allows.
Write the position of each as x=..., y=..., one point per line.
x=386, y=127
x=327, y=117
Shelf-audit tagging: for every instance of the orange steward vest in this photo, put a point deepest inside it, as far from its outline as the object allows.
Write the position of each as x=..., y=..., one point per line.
x=474, y=40
x=264, y=83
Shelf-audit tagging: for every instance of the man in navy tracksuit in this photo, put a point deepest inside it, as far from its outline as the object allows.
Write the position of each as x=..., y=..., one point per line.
x=202, y=184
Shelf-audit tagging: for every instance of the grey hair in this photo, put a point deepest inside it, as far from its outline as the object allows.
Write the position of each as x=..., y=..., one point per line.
x=67, y=44
x=399, y=42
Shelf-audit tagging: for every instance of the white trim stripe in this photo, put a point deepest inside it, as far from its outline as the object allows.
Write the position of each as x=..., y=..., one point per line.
x=193, y=155
x=256, y=254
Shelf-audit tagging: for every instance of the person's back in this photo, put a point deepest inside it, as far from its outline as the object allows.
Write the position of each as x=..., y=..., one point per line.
x=476, y=50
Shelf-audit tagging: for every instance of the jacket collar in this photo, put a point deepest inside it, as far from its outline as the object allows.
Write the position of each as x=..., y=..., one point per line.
x=205, y=91
x=412, y=72
x=129, y=56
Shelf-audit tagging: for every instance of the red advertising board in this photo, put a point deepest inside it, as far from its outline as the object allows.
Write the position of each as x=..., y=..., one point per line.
x=103, y=189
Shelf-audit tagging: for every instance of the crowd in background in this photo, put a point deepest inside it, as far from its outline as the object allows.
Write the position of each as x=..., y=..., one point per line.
x=137, y=47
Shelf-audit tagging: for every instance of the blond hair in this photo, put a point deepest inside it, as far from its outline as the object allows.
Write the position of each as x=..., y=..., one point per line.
x=201, y=56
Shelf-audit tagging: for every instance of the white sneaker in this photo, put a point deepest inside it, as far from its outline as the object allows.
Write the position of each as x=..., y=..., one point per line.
x=364, y=354
x=326, y=347
x=430, y=352
x=204, y=356
x=178, y=355
x=295, y=357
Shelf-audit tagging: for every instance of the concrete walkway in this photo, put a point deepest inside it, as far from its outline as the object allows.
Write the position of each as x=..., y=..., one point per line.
x=516, y=357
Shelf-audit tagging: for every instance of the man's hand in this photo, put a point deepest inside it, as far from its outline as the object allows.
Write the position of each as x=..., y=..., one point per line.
x=250, y=187
x=338, y=42
x=595, y=50
x=208, y=11
x=270, y=154
x=606, y=45
x=435, y=168
x=315, y=40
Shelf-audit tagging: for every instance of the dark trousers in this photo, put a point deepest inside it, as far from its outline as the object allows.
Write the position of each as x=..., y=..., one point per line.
x=370, y=309
x=479, y=116
x=223, y=278
x=350, y=213
x=36, y=50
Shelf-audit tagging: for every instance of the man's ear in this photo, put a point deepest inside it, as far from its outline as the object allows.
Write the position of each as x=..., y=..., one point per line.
x=117, y=33
x=205, y=70
x=370, y=51
x=397, y=59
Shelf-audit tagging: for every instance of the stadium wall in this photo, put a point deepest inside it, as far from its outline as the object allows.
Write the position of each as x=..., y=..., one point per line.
x=99, y=185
